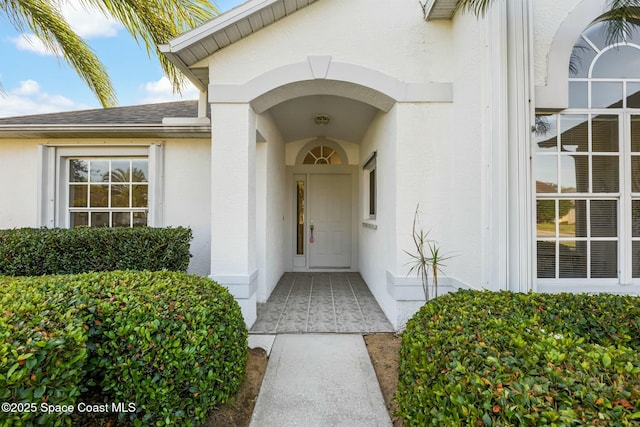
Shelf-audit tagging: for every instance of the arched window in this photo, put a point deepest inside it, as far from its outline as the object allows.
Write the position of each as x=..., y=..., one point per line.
x=587, y=166
x=322, y=155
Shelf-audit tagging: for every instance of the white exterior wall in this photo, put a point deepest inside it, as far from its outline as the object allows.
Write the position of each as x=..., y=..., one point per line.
x=355, y=32
x=19, y=178
x=466, y=180
x=377, y=246
x=187, y=195
x=186, y=186
x=271, y=208
x=548, y=16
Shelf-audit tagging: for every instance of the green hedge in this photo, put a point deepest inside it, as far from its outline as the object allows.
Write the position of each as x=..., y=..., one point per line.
x=506, y=359
x=36, y=252
x=171, y=344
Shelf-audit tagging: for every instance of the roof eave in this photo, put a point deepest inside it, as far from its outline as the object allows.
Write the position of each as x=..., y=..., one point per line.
x=102, y=131
x=166, y=49
x=439, y=9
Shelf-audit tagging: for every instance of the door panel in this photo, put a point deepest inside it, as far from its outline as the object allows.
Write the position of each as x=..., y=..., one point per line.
x=330, y=216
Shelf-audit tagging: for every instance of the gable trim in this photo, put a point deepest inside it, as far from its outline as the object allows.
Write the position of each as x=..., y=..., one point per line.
x=321, y=75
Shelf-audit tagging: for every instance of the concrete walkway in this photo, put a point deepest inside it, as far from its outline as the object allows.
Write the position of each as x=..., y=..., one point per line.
x=319, y=380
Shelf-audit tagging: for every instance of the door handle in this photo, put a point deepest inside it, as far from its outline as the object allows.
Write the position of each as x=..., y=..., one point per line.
x=311, y=239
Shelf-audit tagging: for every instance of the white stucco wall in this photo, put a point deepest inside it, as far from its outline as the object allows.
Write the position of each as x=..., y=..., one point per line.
x=467, y=163
x=355, y=31
x=187, y=195
x=548, y=15
x=271, y=207
x=19, y=178
x=377, y=245
x=186, y=186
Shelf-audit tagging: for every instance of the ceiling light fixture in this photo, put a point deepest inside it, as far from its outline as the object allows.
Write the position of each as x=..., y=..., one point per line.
x=322, y=119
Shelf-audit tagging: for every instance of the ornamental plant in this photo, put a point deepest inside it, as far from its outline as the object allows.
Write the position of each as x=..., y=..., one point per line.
x=500, y=358
x=42, y=251
x=174, y=345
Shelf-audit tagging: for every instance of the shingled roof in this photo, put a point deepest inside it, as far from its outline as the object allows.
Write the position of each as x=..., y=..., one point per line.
x=136, y=120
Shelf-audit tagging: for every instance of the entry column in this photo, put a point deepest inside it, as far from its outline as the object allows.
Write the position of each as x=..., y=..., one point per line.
x=233, y=203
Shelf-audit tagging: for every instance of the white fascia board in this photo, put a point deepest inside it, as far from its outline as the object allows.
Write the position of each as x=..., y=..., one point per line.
x=218, y=23
x=184, y=68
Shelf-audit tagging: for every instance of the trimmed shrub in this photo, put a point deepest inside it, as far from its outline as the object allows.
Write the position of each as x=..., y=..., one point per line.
x=172, y=345
x=483, y=358
x=43, y=251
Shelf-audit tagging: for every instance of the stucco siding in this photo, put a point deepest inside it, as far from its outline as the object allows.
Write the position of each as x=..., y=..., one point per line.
x=18, y=183
x=354, y=31
x=271, y=195
x=377, y=246
x=187, y=195
x=548, y=15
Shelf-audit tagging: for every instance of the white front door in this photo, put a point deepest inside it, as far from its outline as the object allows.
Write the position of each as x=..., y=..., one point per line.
x=329, y=221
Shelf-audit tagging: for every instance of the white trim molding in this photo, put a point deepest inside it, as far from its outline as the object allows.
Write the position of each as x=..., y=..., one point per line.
x=244, y=288
x=321, y=75
x=555, y=94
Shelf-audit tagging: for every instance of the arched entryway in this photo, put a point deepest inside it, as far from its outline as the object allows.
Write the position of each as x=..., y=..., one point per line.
x=324, y=205
x=260, y=128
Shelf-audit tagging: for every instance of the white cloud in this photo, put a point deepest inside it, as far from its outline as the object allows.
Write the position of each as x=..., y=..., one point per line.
x=87, y=22
x=31, y=43
x=162, y=91
x=29, y=98
x=27, y=88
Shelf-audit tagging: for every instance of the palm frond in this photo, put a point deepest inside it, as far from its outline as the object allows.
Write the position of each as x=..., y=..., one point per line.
x=477, y=7
x=48, y=24
x=154, y=22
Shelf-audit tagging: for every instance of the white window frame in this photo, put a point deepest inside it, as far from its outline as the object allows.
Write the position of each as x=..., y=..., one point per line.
x=623, y=197
x=370, y=186
x=53, y=210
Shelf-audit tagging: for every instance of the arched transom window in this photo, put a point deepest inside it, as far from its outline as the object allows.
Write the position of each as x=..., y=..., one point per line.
x=587, y=166
x=322, y=155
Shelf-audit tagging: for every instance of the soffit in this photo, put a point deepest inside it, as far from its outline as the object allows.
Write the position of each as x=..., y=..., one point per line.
x=349, y=119
x=193, y=46
x=439, y=9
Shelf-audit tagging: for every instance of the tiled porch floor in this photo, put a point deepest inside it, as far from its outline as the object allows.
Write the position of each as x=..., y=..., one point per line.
x=321, y=302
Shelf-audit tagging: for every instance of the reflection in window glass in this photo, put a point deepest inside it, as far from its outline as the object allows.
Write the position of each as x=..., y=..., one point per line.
x=574, y=173
x=621, y=62
x=99, y=171
x=546, y=174
x=111, y=189
x=546, y=262
x=606, y=175
x=633, y=95
x=546, y=218
x=604, y=218
x=572, y=256
x=597, y=165
x=546, y=133
x=635, y=218
x=605, y=134
x=606, y=95
x=581, y=58
x=635, y=174
x=636, y=259
x=300, y=218
x=604, y=259
x=78, y=170
x=578, y=94
x=574, y=132
x=635, y=134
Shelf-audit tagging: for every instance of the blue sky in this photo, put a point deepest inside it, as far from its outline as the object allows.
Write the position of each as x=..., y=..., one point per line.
x=35, y=81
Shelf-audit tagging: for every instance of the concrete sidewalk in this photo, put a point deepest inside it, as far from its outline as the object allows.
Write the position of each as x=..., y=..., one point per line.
x=320, y=380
